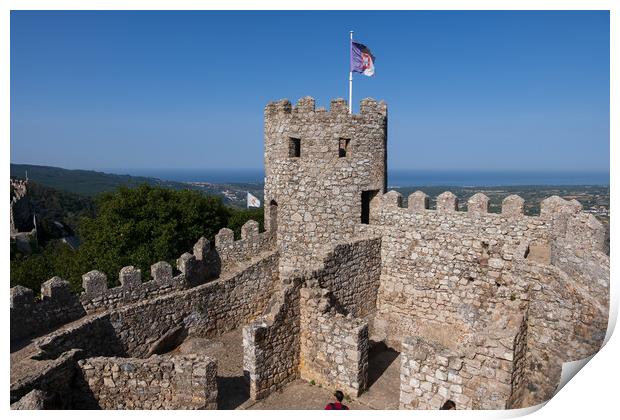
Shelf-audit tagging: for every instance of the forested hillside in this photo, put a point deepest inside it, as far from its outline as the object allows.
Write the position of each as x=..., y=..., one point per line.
x=130, y=226
x=77, y=180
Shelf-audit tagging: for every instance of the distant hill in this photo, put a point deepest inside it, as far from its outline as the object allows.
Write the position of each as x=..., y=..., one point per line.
x=82, y=181
x=91, y=183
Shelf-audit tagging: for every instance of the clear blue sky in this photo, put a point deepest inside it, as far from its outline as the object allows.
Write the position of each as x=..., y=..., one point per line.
x=172, y=89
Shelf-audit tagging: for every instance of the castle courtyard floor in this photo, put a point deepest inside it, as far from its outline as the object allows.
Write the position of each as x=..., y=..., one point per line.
x=383, y=393
x=384, y=371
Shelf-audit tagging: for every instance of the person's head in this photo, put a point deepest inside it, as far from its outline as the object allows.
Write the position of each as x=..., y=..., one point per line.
x=339, y=395
x=448, y=405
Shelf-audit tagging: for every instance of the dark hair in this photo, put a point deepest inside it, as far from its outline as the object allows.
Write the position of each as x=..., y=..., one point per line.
x=448, y=405
x=339, y=395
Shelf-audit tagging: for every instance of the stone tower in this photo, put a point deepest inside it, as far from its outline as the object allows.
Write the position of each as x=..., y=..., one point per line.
x=325, y=172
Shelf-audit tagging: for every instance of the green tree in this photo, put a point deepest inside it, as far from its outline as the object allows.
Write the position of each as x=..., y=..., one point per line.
x=131, y=226
x=147, y=224
x=55, y=259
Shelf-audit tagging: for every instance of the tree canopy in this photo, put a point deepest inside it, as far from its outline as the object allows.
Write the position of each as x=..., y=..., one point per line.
x=132, y=226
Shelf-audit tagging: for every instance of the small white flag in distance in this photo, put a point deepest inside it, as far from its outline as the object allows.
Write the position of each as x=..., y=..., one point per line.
x=253, y=201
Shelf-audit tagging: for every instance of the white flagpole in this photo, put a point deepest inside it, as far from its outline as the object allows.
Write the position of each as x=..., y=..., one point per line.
x=351, y=74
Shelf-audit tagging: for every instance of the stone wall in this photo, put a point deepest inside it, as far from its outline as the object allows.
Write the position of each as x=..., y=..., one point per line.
x=440, y=268
x=477, y=375
x=487, y=283
x=513, y=357
x=31, y=316
x=159, y=382
x=351, y=273
x=57, y=306
x=334, y=347
x=271, y=344
x=55, y=379
x=564, y=323
x=252, y=243
x=204, y=311
x=430, y=375
x=578, y=246
x=97, y=296
x=20, y=209
x=519, y=379
x=315, y=199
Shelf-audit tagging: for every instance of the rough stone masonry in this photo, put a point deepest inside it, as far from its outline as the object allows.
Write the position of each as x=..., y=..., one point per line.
x=484, y=308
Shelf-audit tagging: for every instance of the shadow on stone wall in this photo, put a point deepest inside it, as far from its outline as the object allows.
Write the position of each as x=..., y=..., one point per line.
x=380, y=357
x=81, y=397
x=232, y=391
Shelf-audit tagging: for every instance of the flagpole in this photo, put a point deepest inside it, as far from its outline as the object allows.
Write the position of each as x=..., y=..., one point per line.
x=351, y=73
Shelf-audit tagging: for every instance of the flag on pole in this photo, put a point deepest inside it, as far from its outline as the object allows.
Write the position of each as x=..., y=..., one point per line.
x=362, y=60
x=253, y=201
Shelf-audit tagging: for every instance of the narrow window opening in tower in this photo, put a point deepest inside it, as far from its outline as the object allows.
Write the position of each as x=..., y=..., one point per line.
x=273, y=216
x=294, y=147
x=343, y=147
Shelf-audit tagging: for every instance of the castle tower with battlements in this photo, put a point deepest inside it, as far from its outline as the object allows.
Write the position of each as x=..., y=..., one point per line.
x=482, y=308
x=325, y=171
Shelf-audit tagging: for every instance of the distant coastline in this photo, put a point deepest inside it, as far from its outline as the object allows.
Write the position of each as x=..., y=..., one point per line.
x=396, y=177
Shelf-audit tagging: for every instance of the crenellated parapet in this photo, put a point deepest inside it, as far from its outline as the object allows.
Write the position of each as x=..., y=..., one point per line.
x=232, y=252
x=447, y=202
x=561, y=235
x=339, y=108
x=559, y=218
x=97, y=295
x=578, y=245
x=57, y=305
x=476, y=222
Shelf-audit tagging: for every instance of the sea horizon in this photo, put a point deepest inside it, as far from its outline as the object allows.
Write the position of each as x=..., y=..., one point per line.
x=397, y=178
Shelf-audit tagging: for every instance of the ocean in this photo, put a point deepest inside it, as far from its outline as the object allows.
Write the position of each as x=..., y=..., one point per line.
x=396, y=177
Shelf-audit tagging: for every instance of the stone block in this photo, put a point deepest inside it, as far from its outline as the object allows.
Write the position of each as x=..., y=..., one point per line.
x=224, y=239
x=513, y=205
x=95, y=283
x=418, y=201
x=130, y=277
x=339, y=106
x=161, y=272
x=447, y=202
x=202, y=249
x=186, y=264
x=305, y=104
x=249, y=230
x=478, y=204
x=56, y=288
x=557, y=205
x=21, y=296
x=393, y=199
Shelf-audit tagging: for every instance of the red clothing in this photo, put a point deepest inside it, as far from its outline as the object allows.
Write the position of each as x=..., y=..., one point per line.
x=336, y=406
